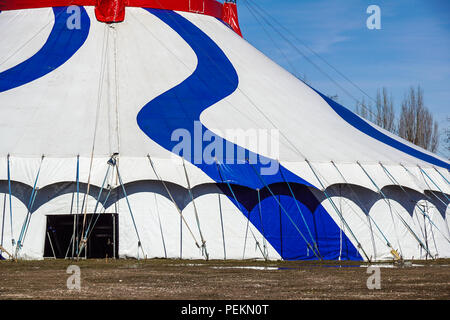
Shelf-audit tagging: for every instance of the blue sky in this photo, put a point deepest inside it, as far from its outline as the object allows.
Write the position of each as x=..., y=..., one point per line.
x=412, y=48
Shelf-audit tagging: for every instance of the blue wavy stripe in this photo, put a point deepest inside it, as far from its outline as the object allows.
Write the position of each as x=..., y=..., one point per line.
x=371, y=131
x=213, y=80
x=60, y=46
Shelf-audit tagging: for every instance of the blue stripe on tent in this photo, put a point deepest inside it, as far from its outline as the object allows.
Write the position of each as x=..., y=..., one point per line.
x=213, y=80
x=282, y=235
x=60, y=46
x=371, y=131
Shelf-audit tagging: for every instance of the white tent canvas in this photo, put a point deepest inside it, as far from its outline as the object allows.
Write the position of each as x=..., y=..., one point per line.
x=94, y=121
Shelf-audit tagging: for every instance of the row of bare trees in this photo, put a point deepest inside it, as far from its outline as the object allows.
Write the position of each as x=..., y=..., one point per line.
x=415, y=122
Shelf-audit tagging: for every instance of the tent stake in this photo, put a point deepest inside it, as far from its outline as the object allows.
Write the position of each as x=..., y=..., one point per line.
x=9, y=255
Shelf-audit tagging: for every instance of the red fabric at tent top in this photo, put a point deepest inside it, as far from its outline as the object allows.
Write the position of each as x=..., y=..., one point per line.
x=114, y=10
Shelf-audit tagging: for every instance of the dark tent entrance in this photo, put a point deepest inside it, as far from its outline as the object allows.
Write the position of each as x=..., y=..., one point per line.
x=62, y=229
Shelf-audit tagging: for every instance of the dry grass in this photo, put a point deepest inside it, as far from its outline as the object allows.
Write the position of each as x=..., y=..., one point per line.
x=224, y=280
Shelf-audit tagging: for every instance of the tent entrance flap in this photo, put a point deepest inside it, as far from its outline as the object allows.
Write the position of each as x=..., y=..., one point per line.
x=102, y=243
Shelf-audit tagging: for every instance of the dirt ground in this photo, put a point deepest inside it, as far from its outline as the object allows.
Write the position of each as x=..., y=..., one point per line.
x=222, y=280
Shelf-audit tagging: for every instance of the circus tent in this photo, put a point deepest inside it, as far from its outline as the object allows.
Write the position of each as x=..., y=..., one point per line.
x=153, y=129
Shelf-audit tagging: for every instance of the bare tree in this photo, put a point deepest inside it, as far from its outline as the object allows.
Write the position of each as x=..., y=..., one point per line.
x=365, y=110
x=416, y=123
x=385, y=114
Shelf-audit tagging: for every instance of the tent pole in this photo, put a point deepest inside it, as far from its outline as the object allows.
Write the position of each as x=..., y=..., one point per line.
x=340, y=229
x=426, y=174
x=70, y=245
x=91, y=228
x=261, y=221
x=300, y=211
x=369, y=218
x=388, y=203
x=28, y=215
x=203, y=247
x=13, y=242
x=431, y=229
x=29, y=219
x=392, y=178
x=175, y=204
x=160, y=226
x=131, y=212
x=181, y=238
x=284, y=210
x=114, y=234
x=246, y=233
x=429, y=188
x=441, y=175
x=425, y=236
x=75, y=218
x=73, y=234
x=99, y=100
x=223, y=231
x=337, y=211
x=238, y=204
x=97, y=203
x=3, y=221
x=86, y=231
x=51, y=245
